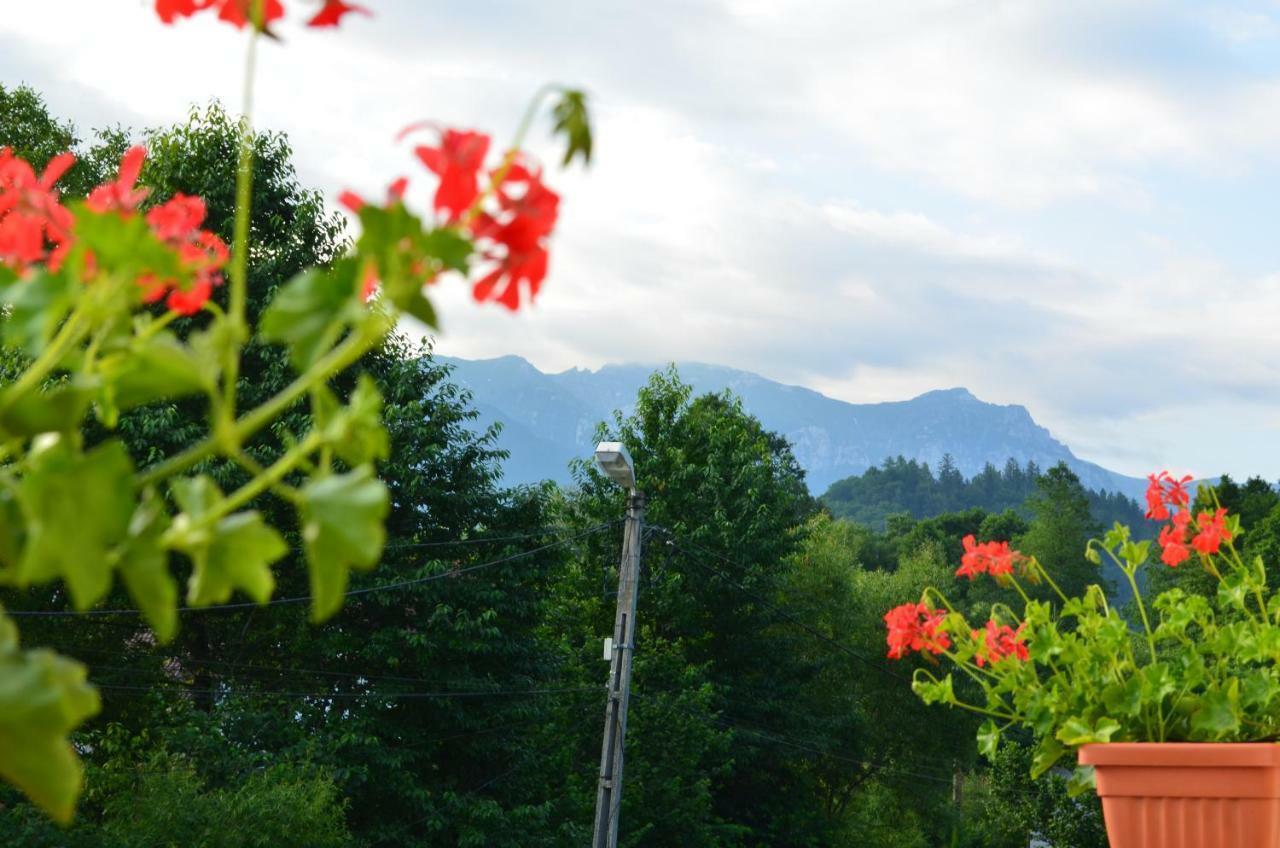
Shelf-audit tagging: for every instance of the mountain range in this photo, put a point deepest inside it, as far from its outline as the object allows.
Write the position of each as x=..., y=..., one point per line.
x=549, y=418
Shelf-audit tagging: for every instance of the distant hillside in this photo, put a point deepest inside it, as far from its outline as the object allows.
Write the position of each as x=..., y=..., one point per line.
x=548, y=419
x=905, y=486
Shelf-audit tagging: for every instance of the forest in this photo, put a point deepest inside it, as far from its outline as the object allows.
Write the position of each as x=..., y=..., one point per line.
x=458, y=697
x=901, y=485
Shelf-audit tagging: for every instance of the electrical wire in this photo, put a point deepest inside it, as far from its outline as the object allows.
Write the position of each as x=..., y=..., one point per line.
x=385, y=696
x=402, y=584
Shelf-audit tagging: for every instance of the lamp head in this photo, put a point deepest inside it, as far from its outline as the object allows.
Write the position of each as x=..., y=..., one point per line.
x=615, y=462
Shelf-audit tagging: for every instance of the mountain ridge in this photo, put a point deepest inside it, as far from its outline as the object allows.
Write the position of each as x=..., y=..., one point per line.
x=549, y=418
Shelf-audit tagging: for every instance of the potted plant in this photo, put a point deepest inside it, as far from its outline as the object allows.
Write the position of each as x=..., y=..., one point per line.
x=1172, y=716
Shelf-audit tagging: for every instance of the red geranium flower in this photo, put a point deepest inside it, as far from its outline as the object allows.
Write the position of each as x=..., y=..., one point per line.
x=457, y=162
x=526, y=218
x=1213, y=532
x=994, y=558
x=122, y=195
x=1173, y=540
x=31, y=217
x=201, y=253
x=1156, y=508
x=999, y=642
x=331, y=14
x=915, y=627
x=234, y=12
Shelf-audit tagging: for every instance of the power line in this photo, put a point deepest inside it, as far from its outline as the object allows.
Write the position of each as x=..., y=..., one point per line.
x=456, y=572
x=818, y=634
x=387, y=696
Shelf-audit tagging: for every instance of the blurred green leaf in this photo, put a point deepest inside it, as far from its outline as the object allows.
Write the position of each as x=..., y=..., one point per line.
x=235, y=552
x=77, y=508
x=310, y=312
x=144, y=566
x=342, y=528
x=43, y=697
x=574, y=124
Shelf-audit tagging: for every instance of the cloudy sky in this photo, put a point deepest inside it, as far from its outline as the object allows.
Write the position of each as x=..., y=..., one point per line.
x=1070, y=206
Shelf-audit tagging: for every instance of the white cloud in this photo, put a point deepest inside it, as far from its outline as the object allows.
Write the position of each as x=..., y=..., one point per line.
x=870, y=199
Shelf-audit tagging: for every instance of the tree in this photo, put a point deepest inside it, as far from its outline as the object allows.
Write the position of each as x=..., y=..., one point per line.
x=731, y=503
x=1060, y=528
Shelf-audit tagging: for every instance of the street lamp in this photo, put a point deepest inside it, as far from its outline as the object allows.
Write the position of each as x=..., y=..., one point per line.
x=615, y=462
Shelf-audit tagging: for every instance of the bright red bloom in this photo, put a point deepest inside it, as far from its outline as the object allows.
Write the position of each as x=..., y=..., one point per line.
x=122, y=195
x=915, y=627
x=1173, y=540
x=332, y=13
x=1163, y=492
x=525, y=220
x=994, y=558
x=457, y=162
x=1157, y=510
x=170, y=10
x=34, y=226
x=999, y=642
x=177, y=218
x=234, y=12
x=201, y=253
x=1213, y=531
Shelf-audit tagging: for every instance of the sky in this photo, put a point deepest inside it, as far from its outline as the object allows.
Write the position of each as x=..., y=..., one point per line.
x=1068, y=206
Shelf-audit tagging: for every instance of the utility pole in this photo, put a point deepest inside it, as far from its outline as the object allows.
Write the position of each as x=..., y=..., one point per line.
x=609, y=791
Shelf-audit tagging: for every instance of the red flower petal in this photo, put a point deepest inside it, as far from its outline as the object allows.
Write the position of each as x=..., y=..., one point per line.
x=332, y=13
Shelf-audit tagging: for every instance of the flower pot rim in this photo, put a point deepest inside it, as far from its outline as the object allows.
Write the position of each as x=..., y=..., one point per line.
x=1181, y=754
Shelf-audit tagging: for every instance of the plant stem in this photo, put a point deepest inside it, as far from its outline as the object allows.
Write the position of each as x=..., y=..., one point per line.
x=509, y=158
x=269, y=476
x=1142, y=610
x=345, y=354
x=70, y=334
x=239, y=275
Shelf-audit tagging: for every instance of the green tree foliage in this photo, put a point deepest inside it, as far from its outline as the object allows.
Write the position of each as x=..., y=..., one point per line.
x=901, y=485
x=1002, y=809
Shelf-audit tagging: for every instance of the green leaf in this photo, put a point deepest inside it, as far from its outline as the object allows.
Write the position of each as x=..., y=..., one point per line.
x=1082, y=781
x=573, y=122
x=144, y=566
x=1124, y=698
x=988, y=739
x=36, y=306
x=1218, y=714
x=1076, y=732
x=310, y=312
x=407, y=256
x=43, y=697
x=1047, y=752
x=58, y=409
x=934, y=691
x=356, y=431
x=236, y=552
x=158, y=369
x=342, y=528
x=77, y=508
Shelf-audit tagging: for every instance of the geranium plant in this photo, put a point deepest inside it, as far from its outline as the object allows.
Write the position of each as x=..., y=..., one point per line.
x=116, y=302
x=1076, y=670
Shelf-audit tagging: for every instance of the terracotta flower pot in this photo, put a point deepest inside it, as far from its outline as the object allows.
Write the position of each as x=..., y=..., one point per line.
x=1188, y=795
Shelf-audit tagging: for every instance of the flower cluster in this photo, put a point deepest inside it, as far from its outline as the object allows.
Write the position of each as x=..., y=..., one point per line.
x=238, y=13
x=997, y=642
x=916, y=627
x=994, y=558
x=34, y=226
x=511, y=220
x=1168, y=500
